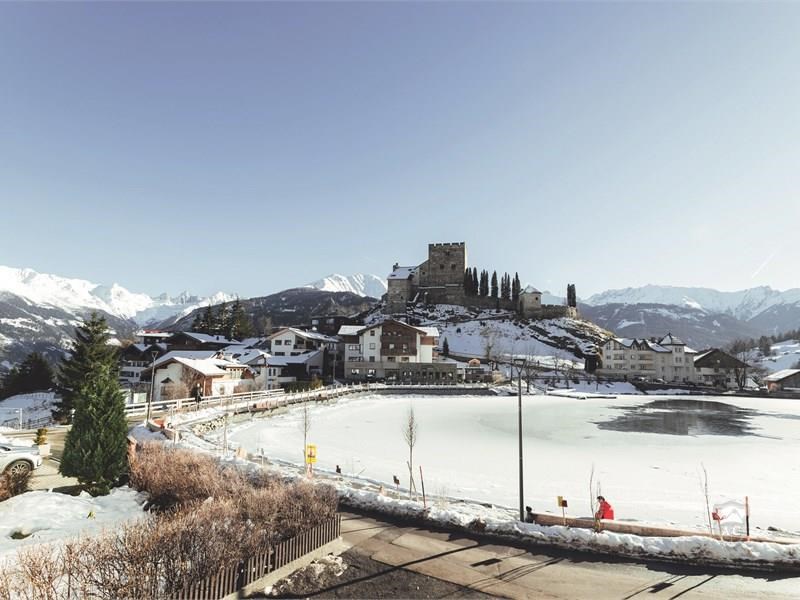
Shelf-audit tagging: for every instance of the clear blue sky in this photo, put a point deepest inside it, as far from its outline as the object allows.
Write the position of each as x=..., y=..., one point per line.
x=252, y=147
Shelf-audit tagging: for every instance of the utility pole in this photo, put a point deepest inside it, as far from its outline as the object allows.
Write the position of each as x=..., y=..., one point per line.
x=520, y=363
x=152, y=387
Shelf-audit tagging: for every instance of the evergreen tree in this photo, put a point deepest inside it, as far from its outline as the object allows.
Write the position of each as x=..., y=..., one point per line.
x=239, y=323
x=445, y=348
x=516, y=288
x=197, y=323
x=95, y=450
x=90, y=348
x=221, y=321
x=484, y=283
x=32, y=375
x=505, y=287
x=468, y=282
x=475, y=284
x=494, y=284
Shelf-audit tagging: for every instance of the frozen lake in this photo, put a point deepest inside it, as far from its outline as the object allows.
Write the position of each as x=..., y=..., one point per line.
x=646, y=450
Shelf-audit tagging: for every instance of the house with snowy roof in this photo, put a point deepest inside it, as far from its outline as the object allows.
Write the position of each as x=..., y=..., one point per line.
x=783, y=380
x=395, y=351
x=179, y=373
x=667, y=359
x=718, y=368
x=190, y=340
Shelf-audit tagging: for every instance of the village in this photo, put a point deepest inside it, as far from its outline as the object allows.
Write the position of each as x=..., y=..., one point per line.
x=391, y=347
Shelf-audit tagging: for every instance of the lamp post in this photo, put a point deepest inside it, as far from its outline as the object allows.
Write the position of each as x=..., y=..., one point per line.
x=519, y=363
x=154, y=353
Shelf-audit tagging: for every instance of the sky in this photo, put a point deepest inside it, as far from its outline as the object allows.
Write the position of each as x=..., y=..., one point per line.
x=252, y=147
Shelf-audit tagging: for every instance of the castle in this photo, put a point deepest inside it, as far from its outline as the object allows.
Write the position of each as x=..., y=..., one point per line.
x=440, y=280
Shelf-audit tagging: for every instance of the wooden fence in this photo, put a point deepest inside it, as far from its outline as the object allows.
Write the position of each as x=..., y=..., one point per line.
x=230, y=580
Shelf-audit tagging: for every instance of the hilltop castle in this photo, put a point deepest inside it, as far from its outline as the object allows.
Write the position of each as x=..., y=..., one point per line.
x=440, y=280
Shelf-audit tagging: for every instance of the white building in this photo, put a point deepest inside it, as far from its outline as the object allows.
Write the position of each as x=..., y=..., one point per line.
x=290, y=341
x=395, y=351
x=668, y=359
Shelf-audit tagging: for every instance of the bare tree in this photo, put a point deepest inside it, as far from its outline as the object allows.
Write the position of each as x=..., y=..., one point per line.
x=594, y=492
x=410, y=437
x=704, y=487
x=305, y=427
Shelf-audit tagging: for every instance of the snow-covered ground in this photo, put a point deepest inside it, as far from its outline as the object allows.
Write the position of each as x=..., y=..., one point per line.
x=468, y=448
x=31, y=408
x=49, y=516
x=785, y=355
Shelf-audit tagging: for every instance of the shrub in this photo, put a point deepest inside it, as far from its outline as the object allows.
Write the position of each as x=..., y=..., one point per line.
x=13, y=485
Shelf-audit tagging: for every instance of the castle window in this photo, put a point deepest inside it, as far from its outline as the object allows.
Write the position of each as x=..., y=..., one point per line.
x=441, y=267
x=453, y=266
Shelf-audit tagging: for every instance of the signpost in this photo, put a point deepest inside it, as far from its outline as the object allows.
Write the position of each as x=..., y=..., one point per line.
x=311, y=458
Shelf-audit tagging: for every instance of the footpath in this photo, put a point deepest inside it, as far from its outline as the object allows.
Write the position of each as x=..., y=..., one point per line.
x=512, y=571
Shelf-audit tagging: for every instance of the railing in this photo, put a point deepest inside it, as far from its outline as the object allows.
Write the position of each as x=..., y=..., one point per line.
x=232, y=579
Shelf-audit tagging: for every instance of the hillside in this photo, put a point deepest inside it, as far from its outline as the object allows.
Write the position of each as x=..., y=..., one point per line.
x=695, y=326
x=472, y=332
x=290, y=307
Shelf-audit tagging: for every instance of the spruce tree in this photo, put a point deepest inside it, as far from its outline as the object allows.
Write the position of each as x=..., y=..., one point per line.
x=445, y=348
x=516, y=288
x=34, y=374
x=240, y=325
x=494, y=284
x=95, y=450
x=221, y=322
x=467, y=282
x=475, y=285
x=484, y=283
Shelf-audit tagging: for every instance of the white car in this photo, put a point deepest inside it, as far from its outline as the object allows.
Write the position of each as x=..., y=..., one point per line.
x=19, y=459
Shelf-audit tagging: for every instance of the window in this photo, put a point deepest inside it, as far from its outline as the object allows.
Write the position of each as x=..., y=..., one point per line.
x=353, y=347
x=391, y=346
x=391, y=358
x=372, y=332
x=277, y=342
x=371, y=359
x=404, y=359
x=355, y=371
x=372, y=345
x=371, y=372
x=405, y=347
x=280, y=354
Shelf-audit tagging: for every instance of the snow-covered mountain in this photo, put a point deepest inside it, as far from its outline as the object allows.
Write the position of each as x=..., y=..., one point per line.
x=360, y=284
x=78, y=296
x=743, y=304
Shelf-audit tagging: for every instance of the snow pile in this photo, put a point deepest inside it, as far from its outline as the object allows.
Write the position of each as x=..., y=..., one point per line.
x=39, y=516
x=321, y=573
x=503, y=522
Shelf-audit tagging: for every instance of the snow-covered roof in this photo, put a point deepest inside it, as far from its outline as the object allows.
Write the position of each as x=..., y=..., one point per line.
x=781, y=375
x=671, y=340
x=205, y=337
x=248, y=356
x=350, y=329
x=309, y=335
x=282, y=361
x=428, y=331
x=208, y=367
x=402, y=273
x=187, y=354
x=530, y=290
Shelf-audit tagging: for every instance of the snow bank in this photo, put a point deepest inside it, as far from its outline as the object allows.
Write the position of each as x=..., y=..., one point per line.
x=49, y=516
x=34, y=407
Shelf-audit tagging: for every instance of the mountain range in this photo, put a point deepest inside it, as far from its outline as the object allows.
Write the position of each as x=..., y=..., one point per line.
x=39, y=311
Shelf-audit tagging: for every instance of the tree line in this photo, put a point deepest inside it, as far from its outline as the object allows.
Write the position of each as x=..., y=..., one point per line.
x=763, y=343
x=228, y=321
x=506, y=288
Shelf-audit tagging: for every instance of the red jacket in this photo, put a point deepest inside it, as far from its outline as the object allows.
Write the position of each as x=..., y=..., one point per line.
x=605, y=511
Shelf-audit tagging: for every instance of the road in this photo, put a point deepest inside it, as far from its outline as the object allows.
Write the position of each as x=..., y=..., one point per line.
x=516, y=572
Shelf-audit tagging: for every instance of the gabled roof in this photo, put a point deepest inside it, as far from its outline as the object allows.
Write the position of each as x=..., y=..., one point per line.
x=781, y=375
x=671, y=340
x=309, y=335
x=282, y=361
x=205, y=338
x=186, y=354
x=426, y=331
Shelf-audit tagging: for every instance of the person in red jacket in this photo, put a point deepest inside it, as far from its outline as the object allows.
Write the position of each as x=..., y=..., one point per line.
x=605, y=510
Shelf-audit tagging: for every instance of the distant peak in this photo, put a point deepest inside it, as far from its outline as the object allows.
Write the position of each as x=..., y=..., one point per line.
x=361, y=284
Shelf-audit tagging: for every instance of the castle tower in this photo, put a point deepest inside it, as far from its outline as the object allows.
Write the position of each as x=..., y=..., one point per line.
x=445, y=265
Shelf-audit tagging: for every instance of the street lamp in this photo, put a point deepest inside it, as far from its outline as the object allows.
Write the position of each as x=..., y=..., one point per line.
x=520, y=364
x=154, y=354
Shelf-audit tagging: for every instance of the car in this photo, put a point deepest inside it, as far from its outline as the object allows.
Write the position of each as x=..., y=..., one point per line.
x=19, y=460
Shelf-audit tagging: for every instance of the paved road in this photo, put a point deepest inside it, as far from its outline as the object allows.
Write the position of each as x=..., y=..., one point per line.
x=514, y=572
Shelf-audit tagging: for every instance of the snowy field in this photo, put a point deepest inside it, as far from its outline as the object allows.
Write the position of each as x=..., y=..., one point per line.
x=468, y=448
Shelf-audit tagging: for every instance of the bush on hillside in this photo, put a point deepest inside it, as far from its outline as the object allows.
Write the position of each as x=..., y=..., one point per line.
x=13, y=484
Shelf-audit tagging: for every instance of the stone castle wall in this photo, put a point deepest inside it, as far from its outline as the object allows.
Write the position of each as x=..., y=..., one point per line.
x=445, y=265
